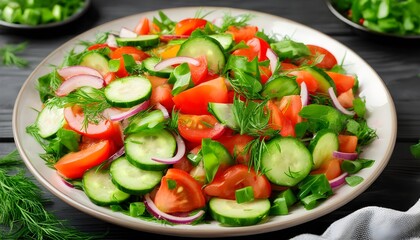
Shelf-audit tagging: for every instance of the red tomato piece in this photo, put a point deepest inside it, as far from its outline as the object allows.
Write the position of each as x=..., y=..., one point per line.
x=143, y=27
x=285, y=66
x=137, y=54
x=279, y=122
x=199, y=73
x=75, y=120
x=99, y=46
x=346, y=98
x=236, y=144
x=260, y=46
x=343, y=82
x=290, y=107
x=328, y=60
x=188, y=25
x=305, y=76
x=109, y=77
x=242, y=33
x=161, y=92
x=195, y=100
x=331, y=168
x=347, y=143
x=265, y=73
x=179, y=192
x=236, y=177
x=74, y=164
x=196, y=127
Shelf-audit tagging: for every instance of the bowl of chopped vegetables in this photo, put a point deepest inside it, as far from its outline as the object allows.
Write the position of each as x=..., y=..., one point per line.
x=388, y=19
x=40, y=14
x=233, y=123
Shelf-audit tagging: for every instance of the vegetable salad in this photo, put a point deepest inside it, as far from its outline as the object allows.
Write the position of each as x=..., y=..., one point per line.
x=192, y=120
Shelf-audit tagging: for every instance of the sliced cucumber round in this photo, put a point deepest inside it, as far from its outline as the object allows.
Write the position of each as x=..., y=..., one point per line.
x=50, y=120
x=131, y=179
x=142, y=41
x=231, y=213
x=322, y=146
x=96, y=61
x=100, y=189
x=286, y=161
x=280, y=87
x=128, y=92
x=224, y=114
x=205, y=46
x=150, y=63
x=225, y=40
x=142, y=146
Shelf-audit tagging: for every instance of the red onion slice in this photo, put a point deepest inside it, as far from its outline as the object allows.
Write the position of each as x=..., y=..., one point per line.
x=111, y=41
x=274, y=61
x=163, y=109
x=126, y=33
x=68, y=72
x=175, y=60
x=179, y=154
x=151, y=207
x=304, y=94
x=78, y=81
x=344, y=155
x=338, y=181
x=118, y=114
x=167, y=37
x=337, y=104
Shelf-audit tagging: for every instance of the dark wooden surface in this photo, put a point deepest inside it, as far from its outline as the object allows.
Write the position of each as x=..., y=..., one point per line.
x=397, y=63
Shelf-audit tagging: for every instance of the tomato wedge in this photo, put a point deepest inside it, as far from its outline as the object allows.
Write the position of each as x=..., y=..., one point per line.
x=328, y=61
x=195, y=100
x=137, y=54
x=343, y=82
x=75, y=120
x=236, y=144
x=242, y=33
x=161, y=92
x=74, y=164
x=143, y=27
x=188, y=25
x=179, y=193
x=237, y=177
x=199, y=73
x=196, y=127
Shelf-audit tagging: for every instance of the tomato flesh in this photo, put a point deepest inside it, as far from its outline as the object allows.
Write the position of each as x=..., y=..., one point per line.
x=73, y=165
x=143, y=27
x=236, y=177
x=195, y=100
x=196, y=127
x=179, y=193
x=188, y=25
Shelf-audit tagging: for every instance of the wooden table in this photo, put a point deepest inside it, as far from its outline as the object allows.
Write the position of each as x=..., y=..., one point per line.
x=398, y=64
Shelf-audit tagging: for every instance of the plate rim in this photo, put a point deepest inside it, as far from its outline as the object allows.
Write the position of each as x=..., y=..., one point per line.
x=194, y=232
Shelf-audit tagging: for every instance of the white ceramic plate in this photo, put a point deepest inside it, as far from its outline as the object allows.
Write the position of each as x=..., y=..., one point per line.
x=381, y=116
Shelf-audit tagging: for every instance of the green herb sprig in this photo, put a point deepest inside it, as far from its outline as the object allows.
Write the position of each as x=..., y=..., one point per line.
x=8, y=55
x=23, y=214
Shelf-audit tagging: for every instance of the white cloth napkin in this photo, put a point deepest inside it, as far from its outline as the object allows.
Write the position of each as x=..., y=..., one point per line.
x=373, y=223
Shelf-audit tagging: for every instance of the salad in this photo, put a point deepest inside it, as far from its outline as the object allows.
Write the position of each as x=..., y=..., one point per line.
x=196, y=120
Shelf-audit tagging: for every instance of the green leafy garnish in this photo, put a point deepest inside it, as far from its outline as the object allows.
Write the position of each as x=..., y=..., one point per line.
x=8, y=55
x=23, y=215
x=235, y=21
x=353, y=180
x=415, y=150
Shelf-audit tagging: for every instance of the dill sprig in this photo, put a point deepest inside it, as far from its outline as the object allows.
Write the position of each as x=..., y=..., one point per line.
x=9, y=57
x=22, y=214
x=92, y=101
x=235, y=21
x=253, y=118
x=256, y=148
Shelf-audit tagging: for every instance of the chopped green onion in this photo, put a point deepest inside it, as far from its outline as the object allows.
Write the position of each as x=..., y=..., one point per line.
x=279, y=207
x=137, y=209
x=353, y=180
x=351, y=166
x=245, y=194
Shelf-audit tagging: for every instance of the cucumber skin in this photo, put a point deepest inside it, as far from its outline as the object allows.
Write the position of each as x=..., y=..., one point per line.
x=221, y=216
x=117, y=197
x=268, y=157
x=127, y=104
x=324, y=81
x=314, y=142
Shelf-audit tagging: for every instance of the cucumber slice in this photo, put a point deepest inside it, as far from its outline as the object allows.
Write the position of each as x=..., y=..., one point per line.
x=100, y=189
x=96, y=61
x=224, y=114
x=128, y=92
x=286, y=161
x=231, y=213
x=324, y=81
x=280, y=87
x=49, y=121
x=225, y=40
x=322, y=146
x=145, y=121
x=142, y=146
x=131, y=179
x=150, y=63
x=207, y=46
x=142, y=41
